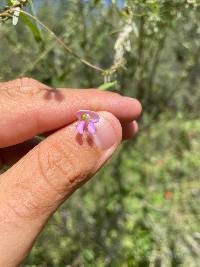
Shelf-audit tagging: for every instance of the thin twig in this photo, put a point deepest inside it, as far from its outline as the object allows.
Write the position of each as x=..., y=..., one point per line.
x=67, y=48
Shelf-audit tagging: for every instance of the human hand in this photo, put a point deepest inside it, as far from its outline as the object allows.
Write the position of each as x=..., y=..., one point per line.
x=43, y=175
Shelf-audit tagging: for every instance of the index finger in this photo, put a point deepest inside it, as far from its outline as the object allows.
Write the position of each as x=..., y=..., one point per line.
x=29, y=108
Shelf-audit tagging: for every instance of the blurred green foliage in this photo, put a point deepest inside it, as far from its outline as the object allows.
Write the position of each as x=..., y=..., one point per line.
x=143, y=208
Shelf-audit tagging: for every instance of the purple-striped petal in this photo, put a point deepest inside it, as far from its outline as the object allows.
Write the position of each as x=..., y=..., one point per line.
x=91, y=127
x=80, y=127
x=94, y=116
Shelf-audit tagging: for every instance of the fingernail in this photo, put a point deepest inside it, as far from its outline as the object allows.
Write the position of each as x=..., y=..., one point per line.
x=108, y=132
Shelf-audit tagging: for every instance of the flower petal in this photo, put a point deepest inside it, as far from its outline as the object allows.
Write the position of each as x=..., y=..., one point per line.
x=91, y=127
x=80, y=127
x=94, y=116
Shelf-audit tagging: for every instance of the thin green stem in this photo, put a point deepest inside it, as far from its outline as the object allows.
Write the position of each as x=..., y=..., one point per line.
x=67, y=48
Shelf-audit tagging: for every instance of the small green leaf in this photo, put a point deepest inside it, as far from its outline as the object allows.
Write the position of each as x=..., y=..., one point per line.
x=107, y=86
x=32, y=27
x=35, y=15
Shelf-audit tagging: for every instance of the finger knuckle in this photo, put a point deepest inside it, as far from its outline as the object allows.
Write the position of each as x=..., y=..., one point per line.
x=26, y=81
x=20, y=88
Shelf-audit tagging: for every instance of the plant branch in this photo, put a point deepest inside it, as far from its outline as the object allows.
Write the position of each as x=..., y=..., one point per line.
x=8, y=11
x=67, y=48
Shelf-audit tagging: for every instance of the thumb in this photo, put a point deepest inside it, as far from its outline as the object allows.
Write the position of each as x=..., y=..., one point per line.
x=34, y=188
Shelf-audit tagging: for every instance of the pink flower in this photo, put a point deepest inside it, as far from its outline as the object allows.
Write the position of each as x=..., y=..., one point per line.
x=86, y=121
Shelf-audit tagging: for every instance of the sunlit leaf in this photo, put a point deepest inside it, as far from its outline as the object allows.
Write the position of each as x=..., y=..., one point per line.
x=32, y=26
x=107, y=86
x=35, y=15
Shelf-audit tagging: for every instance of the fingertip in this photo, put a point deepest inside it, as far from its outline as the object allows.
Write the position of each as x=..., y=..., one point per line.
x=134, y=106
